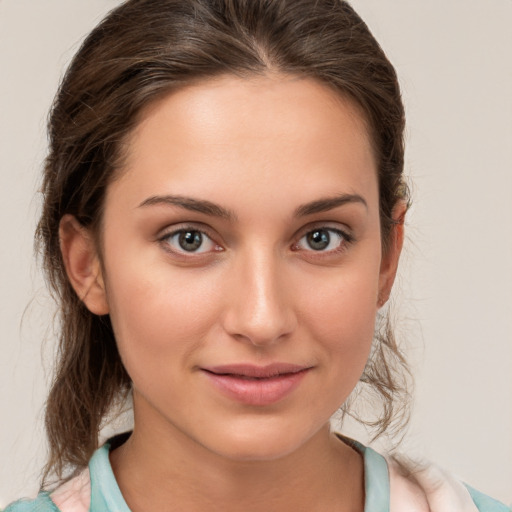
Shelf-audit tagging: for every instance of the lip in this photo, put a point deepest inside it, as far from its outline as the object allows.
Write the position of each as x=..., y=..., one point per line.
x=256, y=385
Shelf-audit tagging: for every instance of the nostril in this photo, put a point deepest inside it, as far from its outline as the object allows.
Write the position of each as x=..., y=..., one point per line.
x=259, y=309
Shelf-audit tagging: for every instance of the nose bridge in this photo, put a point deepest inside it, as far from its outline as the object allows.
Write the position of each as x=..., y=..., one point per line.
x=260, y=309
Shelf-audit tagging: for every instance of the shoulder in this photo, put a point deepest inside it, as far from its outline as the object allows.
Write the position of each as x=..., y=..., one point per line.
x=72, y=496
x=400, y=484
x=428, y=487
x=42, y=503
x=75, y=494
x=485, y=503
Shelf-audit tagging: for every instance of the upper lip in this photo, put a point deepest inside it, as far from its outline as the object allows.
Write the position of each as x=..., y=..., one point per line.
x=250, y=370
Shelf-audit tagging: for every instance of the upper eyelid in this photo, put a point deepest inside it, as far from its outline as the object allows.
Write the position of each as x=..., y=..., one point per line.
x=332, y=226
x=348, y=239
x=173, y=230
x=166, y=235
x=338, y=231
x=218, y=239
x=190, y=226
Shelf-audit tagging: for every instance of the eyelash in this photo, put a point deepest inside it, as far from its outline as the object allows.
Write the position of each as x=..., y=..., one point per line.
x=345, y=240
x=166, y=238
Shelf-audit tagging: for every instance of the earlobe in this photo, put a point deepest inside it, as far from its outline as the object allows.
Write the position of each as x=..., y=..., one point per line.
x=82, y=264
x=390, y=258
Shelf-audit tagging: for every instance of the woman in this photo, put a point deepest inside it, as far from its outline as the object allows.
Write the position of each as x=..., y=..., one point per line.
x=223, y=219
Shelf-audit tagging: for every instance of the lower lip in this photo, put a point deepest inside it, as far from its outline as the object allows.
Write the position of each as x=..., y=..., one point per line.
x=265, y=391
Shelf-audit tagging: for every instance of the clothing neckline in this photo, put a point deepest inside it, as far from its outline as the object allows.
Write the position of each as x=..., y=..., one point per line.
x=106, y=494
x=376, y=476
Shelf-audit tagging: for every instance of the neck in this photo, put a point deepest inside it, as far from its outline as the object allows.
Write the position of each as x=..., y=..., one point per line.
x=158, y=471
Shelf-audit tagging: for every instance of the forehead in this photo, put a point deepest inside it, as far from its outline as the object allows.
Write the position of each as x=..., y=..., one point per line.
x=265, y=133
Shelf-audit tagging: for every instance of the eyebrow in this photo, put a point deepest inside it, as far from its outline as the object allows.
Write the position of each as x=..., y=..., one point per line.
x=329, y=203
x=209, y=208
x=189, y=203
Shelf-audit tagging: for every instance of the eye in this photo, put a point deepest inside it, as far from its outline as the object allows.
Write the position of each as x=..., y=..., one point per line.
x=322, y=240
x=189, y=241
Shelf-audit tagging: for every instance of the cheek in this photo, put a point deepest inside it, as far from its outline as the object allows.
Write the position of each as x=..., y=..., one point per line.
x=341, y=315
x=157, y=315
x=345, y=302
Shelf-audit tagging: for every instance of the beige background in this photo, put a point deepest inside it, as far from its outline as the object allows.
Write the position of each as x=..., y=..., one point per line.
x=454, y=60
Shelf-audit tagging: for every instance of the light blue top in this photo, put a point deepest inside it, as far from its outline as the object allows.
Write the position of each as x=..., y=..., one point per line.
x=106, y=495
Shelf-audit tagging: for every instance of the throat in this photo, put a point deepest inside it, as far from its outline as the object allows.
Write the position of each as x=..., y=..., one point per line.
x=333, y=482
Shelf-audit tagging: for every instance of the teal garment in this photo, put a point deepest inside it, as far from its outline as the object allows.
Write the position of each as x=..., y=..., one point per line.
x=106, y=495
x=42, y=503
x=484, y=503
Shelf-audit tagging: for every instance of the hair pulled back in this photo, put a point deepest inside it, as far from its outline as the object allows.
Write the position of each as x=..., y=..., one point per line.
x=140, y=51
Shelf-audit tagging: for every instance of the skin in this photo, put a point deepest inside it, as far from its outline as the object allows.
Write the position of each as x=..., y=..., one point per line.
x=255, y=292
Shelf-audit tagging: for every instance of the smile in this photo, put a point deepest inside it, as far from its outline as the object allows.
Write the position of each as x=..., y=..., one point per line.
x=256, y=385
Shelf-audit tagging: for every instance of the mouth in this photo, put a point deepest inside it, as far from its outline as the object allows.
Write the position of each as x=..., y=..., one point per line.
x=256, y=385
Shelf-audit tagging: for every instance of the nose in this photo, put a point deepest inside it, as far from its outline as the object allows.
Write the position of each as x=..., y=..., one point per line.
x=260, y=309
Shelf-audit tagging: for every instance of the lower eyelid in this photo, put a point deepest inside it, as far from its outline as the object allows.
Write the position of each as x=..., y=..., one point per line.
x=167, y=237
x=345, y=238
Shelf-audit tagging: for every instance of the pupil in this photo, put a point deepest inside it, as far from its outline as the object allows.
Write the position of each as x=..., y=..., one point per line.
x=190, y=240
x=318, y=240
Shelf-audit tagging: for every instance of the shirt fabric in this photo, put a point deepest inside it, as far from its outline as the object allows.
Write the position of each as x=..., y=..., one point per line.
x=386, y=490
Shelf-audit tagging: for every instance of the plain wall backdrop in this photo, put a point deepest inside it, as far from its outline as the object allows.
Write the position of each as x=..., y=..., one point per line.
x=455, y=287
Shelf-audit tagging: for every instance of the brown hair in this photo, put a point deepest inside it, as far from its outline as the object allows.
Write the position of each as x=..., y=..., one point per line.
x=146, y=48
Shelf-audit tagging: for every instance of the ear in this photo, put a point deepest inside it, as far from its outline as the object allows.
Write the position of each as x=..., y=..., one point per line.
x=83, y=264
x=390, y=258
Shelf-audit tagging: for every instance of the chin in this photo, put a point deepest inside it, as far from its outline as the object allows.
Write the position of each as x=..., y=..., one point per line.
x=258, y=441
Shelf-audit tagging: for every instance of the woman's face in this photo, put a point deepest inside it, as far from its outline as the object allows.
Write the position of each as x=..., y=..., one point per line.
x=242, y=262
